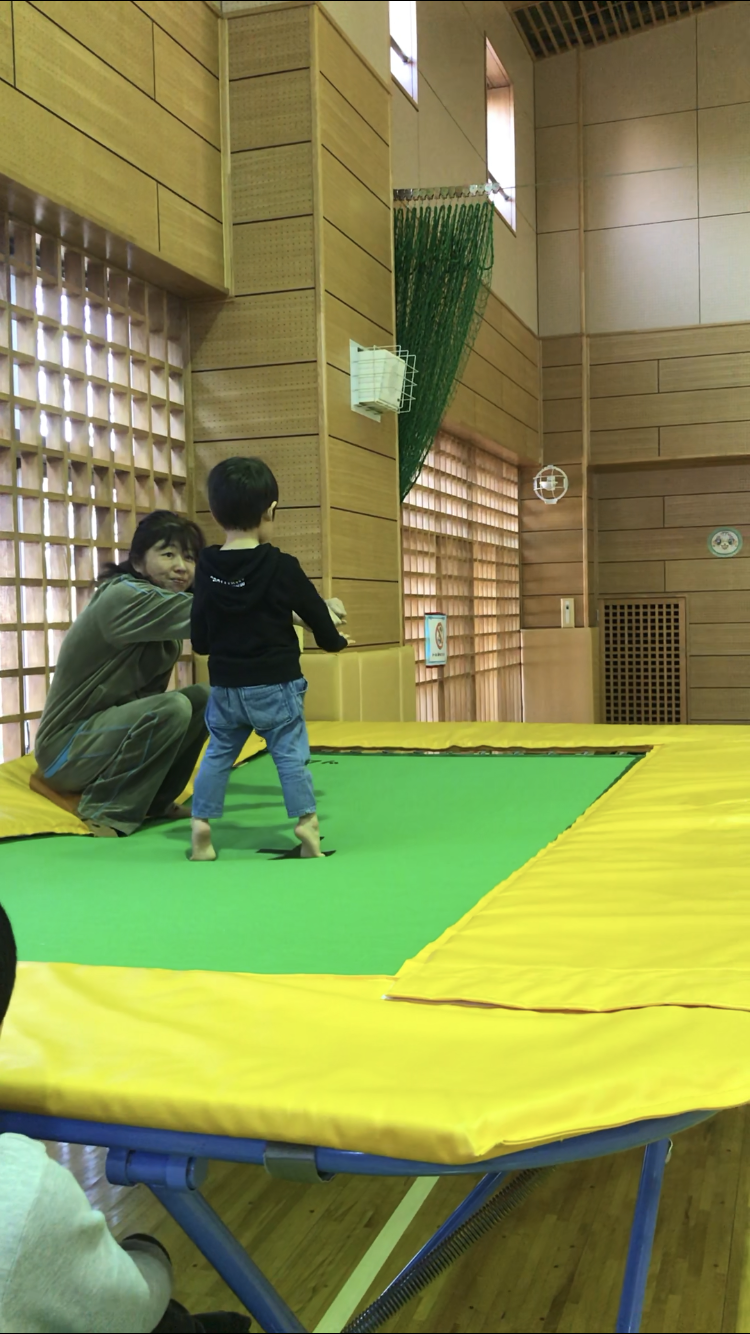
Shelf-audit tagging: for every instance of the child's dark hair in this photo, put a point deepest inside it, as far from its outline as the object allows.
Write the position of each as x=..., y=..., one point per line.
x=7, y=963
x=162, y=528
x=240, y=491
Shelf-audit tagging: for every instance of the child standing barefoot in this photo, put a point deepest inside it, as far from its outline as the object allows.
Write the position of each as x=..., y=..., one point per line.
x=246, y=595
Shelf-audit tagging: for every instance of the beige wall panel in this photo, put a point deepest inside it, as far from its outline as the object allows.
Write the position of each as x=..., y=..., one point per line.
x=632, y=577
x=503, y=319
x=728, y=672
x=269, y=43
x=707, y=512
x=445, y=152
x=561, y=382
x=538, y=518
x=187, y=88
x=6, y=41
x=294, y=461
x=629, y=377
x=357, y=279
x=272, y=183
x=562, y=351
x=704, y=372
x=53, y=159
x=723, y=56
x=642, y=277
x=349, y=137
x=651, y=75
x=275, y=328
x=496, y=424
x=559, y=675
x=558, y=579
x=724, y=250
x=342, y=325
x=625, y=446
x=362, y=481
x=702, y=405
x=451, y=61
x=699, y=576
x=363, y=547
x=356, y=211
x=718, y=706
x=726, y=639
x=190, y=239
x=670, y=481
x=713, y=438
x=366, y=26
x=255, y=402
x=270, y=110
x=299, y=531
x=64, y=77
x=499, y=352
x=559, y=299
x=352, y=426
x=708, y=608
x=273, y=256
x=557, y=546
x=724, y=135
x=673, y=544
x=541, y=613
x=344, y=69
x=483, y=379
x=514, y=278
x=194, y=26
x=405, y=126
x=520, y=404
x=561, y=414
x=645, y=512
x=557, y=178
x=664, y=343
x=556, y=89
x=118, y=31
x=641, y=170
x=373, y=610
x=563, y=447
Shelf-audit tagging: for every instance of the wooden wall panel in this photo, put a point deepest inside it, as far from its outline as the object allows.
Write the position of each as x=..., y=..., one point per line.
x=347, y=135
x=652, y=537
x=497, y=400
x=118, y=32
x=272, y=183
x=274, y=256
x=357, y=279
x=355, y=211
x=269, y=43
x=271, y=329
x=63, y=76
x=356, y=82
x=381, y=437
x=366, y=547
x=374, y=610
x=343, y=324
x=96, y=135
x=255, y=402
x=361, y=481
x=270, y=110
x=294, y=460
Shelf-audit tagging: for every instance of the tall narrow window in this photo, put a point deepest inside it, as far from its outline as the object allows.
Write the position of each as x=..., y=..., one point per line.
x=501, y=138
x=403, y=20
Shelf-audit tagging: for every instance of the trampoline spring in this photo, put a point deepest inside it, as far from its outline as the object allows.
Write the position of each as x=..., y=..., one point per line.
x=435, y=1261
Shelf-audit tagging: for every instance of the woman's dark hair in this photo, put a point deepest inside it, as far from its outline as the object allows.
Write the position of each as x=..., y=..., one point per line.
x=240, y=491
x=162, y=528
x=8, y=960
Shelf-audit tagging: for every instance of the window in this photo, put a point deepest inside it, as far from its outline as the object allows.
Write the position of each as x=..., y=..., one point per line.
x=403, y=20
x=92, y=436
x=460, y=545
x=501, y=138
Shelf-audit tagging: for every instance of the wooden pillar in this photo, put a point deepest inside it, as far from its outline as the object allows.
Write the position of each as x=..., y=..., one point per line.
x=312, y=241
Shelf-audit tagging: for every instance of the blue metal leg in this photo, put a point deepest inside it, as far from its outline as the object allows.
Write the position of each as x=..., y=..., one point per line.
x=642, y=1237
x=196, y=1218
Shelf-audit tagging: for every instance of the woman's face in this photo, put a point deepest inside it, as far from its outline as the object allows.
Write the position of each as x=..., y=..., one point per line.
x=167, y=566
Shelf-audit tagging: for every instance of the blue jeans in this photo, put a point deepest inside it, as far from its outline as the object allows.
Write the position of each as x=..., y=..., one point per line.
x=277, y=714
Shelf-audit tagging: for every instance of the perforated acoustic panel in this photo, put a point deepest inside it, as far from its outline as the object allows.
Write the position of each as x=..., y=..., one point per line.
x=550, y=27
x=643, y=660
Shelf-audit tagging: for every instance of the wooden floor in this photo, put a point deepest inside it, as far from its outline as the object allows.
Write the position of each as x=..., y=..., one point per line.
x=555, y=1265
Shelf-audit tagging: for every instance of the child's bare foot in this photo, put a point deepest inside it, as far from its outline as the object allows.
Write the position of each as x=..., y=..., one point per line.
x=308, y=833
x=203, y=848
x=176, y=812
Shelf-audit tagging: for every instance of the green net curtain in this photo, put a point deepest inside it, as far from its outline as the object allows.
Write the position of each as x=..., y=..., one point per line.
x=443, y=255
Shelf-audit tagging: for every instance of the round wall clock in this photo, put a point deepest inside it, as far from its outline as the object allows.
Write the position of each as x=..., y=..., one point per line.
x=725, y=542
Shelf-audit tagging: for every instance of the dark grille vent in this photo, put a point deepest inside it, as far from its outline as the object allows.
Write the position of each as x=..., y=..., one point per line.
x=550, y=27
x=643, y=660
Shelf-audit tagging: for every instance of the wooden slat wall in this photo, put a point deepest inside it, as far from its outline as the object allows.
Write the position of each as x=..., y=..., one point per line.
x=254, y=358
x=552, y=546
x=653, y=527
x=112, y=111
x=497, y=401
x=671, y=394
x=361, y=513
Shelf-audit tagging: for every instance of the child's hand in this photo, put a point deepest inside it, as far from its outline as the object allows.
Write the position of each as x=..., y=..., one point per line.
x=349, y=642
x=337, y=610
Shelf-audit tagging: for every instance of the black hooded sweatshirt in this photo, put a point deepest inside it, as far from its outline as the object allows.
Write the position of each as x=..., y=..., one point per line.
x=242, y=616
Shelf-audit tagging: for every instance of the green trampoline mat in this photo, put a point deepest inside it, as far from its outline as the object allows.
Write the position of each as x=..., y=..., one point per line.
x=417, y=841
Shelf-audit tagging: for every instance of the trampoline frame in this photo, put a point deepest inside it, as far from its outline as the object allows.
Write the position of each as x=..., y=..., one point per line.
x=173, y=1164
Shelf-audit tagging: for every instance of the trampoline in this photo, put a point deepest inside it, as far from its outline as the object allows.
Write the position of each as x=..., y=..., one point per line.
x=529, y=945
